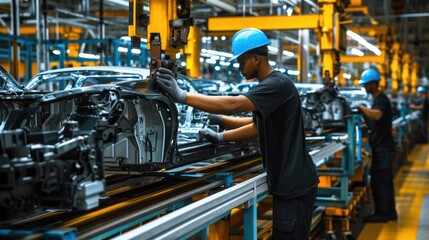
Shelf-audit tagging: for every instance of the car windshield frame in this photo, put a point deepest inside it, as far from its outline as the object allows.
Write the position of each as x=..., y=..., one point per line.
x=77, y=77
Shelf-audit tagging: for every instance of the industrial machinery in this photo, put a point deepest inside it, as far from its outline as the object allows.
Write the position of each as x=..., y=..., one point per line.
x=59, y=168
x=56, y=146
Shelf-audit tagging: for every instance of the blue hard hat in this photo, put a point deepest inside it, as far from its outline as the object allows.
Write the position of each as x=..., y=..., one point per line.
x=369, y=75
x=421, y=89
x=247, y=39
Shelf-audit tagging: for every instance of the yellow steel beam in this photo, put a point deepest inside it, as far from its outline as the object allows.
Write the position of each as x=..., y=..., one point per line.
x=395, y=66
x=328, y=59
x=414, y=77
x=371, y=31
x=220, y=33
x=31, y=30
x=309, y=21
x=135, y=27
x=406, y=64
x=363, y=9
x=113, y=13
x=363, y=59
x=161, y=12
x=355, y=2
x=192, y=51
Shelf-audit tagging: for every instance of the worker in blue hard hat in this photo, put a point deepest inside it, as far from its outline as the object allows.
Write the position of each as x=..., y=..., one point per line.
x=378, y=118
x=423, y=106
x=278, y=123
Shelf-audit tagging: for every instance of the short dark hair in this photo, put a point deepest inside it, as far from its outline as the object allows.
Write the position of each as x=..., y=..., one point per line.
x=263, y=51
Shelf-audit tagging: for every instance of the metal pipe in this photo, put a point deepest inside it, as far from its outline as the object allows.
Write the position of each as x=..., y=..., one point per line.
x=407, y=15
x=224, y=5
x=45, y=35
x=15, y=32
x=145, y=211
x=63, y=21
x=5, y=25
x=102, y=31
x=38, y=36
x=304, y=37
x=81, y=16
x=312, y=4
x=244, y=8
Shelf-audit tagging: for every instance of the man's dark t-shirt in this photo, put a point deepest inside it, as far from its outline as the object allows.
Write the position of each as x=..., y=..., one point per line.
x=381, y=138
x=290, y=170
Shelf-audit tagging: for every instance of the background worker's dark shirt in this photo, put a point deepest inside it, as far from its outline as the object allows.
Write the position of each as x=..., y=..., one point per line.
x=290, y=170
x=424, y=113
x=381, y=138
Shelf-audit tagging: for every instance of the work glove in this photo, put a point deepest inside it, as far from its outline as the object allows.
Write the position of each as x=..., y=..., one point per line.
x=215, y=119
x=167, y=82
x=212, y=136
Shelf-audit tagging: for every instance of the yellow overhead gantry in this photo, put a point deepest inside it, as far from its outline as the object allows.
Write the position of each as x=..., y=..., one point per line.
x=327, y=24
x=168, y=30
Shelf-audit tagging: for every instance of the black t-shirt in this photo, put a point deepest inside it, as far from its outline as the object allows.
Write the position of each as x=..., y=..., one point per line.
x=424, y=113
x=290, y=170
x=381, y=138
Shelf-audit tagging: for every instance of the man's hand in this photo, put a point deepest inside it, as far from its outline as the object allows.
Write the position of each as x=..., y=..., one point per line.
x=166, y=80
x=211, y=135
x=215, y=119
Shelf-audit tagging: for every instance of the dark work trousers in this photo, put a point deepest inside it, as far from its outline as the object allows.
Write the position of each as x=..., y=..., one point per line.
x=382, y=187
x=423, y=130
x=292, y=217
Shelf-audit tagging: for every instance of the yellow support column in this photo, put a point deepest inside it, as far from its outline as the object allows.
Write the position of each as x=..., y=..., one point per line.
x=330, y=56
x=192, y=51
x=414, y=77
x=406, y=59
x=382, y=70
x=385, y=64
x=161, y=12
x=395, y=66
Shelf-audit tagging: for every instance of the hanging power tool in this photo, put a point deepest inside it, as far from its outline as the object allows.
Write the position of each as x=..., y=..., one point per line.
x=165, y=22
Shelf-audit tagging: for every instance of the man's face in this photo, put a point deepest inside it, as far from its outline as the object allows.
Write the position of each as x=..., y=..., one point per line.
x=369, y=87
x=248, y=65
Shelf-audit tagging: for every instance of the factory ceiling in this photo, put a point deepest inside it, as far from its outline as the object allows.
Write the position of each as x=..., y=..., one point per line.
x=408, y=16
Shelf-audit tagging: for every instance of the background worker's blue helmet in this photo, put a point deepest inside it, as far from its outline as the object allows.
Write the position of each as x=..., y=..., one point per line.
x=247, y=39
x=421, y=89
x=369, y=75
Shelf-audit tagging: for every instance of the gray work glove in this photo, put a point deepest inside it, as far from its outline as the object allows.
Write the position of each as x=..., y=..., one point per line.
x=166, y=80
x=212, y=136
x=215, y=119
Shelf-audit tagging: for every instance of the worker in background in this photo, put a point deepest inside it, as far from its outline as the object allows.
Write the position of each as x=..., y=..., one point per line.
x=423, y=107
x=277, y=121
x=379, y=121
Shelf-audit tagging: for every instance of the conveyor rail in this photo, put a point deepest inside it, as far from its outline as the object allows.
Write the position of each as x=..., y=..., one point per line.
x=190, y=219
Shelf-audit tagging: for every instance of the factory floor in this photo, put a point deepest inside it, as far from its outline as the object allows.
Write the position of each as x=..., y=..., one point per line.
x=412, y=201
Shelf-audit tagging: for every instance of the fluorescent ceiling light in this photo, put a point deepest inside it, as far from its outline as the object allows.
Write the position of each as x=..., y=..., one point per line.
x=89, y=55
x=357, y=52
x=347, y=76
x=136, y=51
x=285, y=52
x=273, y=49
x=123, y=3
x=210, y=61
x=288, y=53
x=363, y=42
x=128, y=38
x=217, y=53
x=122, y=49
x=293, y=72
